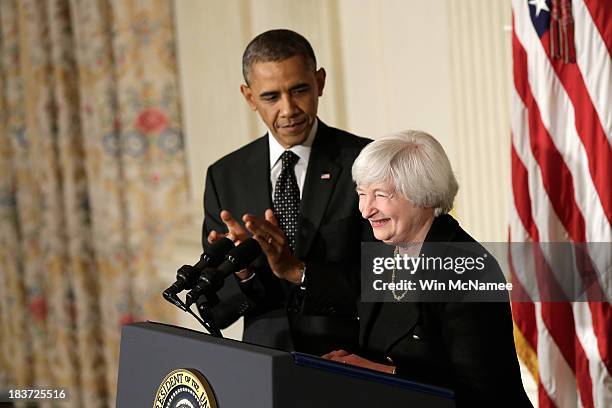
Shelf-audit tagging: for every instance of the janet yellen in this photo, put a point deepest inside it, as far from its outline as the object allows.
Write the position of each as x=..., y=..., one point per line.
x=406, y=188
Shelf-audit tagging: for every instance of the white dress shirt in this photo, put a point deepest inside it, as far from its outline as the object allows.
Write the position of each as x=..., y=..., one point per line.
x=276, y=164
x=303, y=152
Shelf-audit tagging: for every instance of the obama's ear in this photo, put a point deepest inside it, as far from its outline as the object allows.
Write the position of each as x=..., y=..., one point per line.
x=320, y=78
x=247, y=93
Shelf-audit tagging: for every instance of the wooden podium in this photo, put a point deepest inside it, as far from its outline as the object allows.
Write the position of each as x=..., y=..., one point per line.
x=244, y=375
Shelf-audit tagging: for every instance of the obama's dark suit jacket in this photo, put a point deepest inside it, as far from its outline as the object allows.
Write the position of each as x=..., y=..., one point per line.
x=321, y=314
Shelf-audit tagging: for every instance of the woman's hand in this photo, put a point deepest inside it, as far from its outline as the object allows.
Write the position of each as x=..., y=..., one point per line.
x=345, y=357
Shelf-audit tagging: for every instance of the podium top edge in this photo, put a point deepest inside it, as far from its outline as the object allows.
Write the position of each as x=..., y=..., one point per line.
x=202, y=336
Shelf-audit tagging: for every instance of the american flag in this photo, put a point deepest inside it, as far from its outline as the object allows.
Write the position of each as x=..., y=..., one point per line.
x=562, y=187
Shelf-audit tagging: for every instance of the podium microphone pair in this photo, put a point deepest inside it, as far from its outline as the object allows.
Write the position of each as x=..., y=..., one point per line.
x=217, y=262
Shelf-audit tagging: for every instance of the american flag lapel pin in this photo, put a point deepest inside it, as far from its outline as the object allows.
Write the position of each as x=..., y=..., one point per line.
x=325, y=176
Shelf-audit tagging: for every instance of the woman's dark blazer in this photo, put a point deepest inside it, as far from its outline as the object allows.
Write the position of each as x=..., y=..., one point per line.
x=467, y=347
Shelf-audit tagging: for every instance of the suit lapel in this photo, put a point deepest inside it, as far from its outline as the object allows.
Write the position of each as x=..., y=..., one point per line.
x=321, y=177
x=441, y=231
x=410, y=311
x=256, y=178
x=369, y=313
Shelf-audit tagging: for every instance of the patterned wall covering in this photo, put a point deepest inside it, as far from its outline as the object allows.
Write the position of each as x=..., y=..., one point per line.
x=92, y=180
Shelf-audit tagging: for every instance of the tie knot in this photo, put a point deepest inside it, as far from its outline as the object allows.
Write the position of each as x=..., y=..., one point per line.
x=289, y=158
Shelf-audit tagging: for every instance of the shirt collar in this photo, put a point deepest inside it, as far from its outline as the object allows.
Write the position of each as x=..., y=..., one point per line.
x=302, y=150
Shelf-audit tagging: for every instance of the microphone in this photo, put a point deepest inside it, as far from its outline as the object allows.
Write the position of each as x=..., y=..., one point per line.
x=238, y=258
x=187, y=275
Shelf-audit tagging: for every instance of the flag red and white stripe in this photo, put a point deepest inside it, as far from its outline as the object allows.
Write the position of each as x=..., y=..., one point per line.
x=562, y=192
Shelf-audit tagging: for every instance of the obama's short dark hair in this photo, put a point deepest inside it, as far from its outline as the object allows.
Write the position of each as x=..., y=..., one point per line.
x=276, y=45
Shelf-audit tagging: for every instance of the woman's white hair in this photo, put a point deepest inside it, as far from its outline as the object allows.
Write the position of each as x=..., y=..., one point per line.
x=415, y=164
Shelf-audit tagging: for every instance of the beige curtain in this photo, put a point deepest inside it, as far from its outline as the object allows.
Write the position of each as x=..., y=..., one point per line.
x=92, y=182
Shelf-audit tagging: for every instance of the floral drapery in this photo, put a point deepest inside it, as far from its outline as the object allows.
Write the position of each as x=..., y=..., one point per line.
x=92, y=180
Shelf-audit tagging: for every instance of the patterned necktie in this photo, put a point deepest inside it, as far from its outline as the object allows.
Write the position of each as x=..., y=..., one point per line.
x=287, y=197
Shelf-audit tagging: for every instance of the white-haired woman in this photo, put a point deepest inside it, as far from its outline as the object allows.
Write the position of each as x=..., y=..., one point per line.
x=406, y=188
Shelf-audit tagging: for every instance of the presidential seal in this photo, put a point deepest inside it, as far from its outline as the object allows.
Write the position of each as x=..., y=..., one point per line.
x=184, y=388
